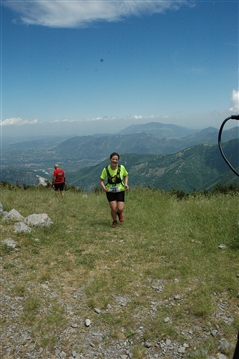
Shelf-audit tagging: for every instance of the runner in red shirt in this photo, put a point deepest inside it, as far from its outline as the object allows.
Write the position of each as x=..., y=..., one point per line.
x=58, y=180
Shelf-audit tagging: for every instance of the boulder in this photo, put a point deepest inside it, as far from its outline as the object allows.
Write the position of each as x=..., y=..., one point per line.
x=38, y=220
x=13, y=215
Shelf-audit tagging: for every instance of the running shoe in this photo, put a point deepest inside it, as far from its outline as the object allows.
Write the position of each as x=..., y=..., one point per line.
x=121, y=217
x=114, y=224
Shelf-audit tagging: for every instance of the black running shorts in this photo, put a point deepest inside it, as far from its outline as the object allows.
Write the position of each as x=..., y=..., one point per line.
x=115, y=196
x=59, y=186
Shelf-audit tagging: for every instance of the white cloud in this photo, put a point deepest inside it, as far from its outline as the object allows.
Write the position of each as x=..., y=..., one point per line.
x=65, y=120
x=17, y=121
x=146, y=118
x=235, y=101
x=105, y=118
x=79, y=13
x=95, y=119
x=137, y=117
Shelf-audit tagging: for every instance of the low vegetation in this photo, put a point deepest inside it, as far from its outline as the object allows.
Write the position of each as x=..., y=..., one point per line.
x=166, y=255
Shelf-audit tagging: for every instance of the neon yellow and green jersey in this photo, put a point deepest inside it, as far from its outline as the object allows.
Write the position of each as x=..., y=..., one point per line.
x=114, y=187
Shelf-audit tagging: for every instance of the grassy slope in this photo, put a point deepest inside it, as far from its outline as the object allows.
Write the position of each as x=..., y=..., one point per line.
x=164, y=248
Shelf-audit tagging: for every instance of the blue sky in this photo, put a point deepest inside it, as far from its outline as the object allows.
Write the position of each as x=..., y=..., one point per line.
x=86, y=67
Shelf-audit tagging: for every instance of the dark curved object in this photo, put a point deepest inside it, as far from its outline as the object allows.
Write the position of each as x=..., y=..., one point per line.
x=233, y=117
x=236, y=353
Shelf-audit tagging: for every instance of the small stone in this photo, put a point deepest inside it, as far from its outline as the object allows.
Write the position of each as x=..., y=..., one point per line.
x=74, y=325
x=181, y=349
x=87, y=322
x=97, y=310
x=221, y=356
x=166, y=320
x=9, y=242
x=45, y=286
x=224, y=345
x=106, y=268
x=222, y=246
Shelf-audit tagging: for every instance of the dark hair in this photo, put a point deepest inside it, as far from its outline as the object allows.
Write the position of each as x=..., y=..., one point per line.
x=114, y=154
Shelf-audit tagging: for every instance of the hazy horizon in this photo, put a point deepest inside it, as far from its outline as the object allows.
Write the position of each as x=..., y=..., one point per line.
x=49, y=130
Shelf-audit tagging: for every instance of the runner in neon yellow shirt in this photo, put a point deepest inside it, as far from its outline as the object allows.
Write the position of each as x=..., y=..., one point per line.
x=117, y=182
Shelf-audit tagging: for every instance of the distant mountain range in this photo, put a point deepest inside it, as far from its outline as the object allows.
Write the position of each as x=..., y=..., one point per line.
x=141, y=143
x=168, y=156
x=192, y=169
x=81, y=151
x=159, y=130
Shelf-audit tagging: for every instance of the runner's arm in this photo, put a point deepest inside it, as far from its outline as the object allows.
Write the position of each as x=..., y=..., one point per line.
x=102, y=185
x=126, y=182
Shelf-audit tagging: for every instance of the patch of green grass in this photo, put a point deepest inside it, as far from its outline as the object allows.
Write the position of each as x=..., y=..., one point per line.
x=30, y=310
x=48, y=342
x=5, y=249
x=55, y=315
x=87, y=260
x=31, y=304
x=138, y=352
x=19, y=290
x=153, y=333
x=45, y=276
x=35, y=251
x=200, y=304
x=8, y=265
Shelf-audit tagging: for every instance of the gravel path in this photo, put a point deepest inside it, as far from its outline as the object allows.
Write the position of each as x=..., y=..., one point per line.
x=85, y=338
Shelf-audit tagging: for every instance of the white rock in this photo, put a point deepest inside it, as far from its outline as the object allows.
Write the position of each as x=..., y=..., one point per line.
x=221, y=356
x=9, y=242
x=39, y=220
x=87, y=322
x=1, y=209
x=13, y=215
x=21, y=227
x=181, y=349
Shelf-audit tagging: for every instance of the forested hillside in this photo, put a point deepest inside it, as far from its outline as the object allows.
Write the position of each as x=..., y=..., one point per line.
x=198, y=167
